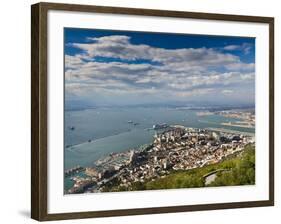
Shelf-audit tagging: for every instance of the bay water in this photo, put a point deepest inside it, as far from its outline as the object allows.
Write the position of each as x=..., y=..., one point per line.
x=94, y=133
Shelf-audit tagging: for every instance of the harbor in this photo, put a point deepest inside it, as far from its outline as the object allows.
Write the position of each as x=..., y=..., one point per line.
x=110, y=131
x=179, y=148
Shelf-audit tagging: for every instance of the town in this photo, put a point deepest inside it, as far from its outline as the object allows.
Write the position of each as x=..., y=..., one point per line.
x=244, y=119
x=174, y=148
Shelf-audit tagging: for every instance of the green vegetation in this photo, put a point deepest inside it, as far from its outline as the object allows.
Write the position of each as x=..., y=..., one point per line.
x=235, y=170
x=241, y=173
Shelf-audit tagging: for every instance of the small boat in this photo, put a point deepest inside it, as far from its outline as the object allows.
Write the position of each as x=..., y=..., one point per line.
x=130, y=122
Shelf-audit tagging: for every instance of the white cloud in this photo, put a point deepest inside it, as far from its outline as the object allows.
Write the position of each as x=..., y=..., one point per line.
x=245, y=47
x=241, y=66
x=121, y=48
x=111, y=39
x=72, y=61
x=247, y=76
x=231, y=47
x=177, y=73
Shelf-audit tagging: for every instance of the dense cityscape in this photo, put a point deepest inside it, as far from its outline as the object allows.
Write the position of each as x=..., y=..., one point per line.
x=174, y=148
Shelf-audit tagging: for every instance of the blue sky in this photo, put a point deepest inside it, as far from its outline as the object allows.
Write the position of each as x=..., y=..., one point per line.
x=105, y=68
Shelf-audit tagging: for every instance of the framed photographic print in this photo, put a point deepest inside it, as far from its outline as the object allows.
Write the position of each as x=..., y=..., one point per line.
x=138, y=111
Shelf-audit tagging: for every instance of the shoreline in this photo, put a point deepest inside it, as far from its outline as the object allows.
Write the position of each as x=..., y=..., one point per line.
x=137, y=148
x=122, y=161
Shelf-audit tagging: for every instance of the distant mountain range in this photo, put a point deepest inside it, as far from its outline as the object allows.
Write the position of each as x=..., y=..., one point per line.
x=78, y=105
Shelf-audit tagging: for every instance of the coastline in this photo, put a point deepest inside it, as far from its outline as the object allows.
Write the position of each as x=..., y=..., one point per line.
x=109, y=160
x=107, y=123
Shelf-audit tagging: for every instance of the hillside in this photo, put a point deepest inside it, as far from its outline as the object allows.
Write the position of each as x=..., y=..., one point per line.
x=239, y=170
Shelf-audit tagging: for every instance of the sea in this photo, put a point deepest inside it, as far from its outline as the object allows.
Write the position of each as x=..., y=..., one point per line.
x=91, y=134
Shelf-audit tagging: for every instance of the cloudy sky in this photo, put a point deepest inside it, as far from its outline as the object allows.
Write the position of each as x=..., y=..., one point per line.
x=128, y=68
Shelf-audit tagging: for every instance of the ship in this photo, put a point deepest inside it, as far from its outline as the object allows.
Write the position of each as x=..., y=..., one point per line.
x=160, y=126
x=72, y=128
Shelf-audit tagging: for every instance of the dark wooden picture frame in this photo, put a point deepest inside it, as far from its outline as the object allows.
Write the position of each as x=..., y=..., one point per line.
x=39, y=202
